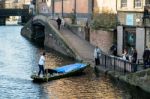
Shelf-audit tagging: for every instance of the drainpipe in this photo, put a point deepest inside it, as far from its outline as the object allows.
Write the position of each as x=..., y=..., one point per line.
x=75, y=6
x=62, y=4
x=53, y=11
x=36, y=6
x=90, y=9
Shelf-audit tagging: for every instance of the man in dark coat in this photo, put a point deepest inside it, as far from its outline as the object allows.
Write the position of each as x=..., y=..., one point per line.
x=113, y=49
x=146, y=57
x=58, y=23
x=134, y=59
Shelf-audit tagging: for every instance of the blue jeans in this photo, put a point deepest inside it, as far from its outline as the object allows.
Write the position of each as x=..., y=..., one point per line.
x=41, y=68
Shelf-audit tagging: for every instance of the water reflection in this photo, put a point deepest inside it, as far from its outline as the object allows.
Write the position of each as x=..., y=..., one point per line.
x=19, y=59
x=87, y=86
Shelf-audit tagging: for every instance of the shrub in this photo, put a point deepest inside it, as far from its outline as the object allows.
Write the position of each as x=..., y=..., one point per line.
x=105, y=20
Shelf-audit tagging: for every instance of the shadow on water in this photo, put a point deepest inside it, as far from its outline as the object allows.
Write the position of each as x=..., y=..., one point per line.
x=133, y=92
x=96, y=71
x=36, y=44
x=40, y=45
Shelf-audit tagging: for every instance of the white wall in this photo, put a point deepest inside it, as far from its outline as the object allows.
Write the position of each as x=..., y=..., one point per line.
x=119, y=39
x=140, y=41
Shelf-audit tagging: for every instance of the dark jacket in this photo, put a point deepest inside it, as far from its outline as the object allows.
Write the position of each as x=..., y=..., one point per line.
x=146, y=55
x=58, y=21
x=134, y=57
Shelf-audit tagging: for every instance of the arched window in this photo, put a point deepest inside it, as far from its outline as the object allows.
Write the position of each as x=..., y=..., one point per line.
x=123, y=3
x=137, y=3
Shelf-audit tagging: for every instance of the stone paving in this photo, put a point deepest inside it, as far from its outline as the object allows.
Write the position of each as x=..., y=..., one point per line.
x=83, y=48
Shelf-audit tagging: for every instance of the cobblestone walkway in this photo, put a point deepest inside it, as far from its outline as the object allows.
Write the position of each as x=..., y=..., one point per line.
x=83, y=48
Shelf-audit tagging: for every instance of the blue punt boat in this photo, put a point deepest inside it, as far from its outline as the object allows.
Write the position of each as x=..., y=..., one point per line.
x=60, y=72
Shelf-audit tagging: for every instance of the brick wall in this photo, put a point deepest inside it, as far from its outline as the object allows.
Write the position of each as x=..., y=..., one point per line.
x=103, y=39
x=58, y=6
x=81, y=6
x=68, y=6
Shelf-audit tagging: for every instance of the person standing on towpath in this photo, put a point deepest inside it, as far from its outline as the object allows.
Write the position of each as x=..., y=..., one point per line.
x=97, y=54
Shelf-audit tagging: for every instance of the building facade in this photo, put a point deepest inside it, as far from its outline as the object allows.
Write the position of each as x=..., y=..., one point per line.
x=15, y=3
x=82, y=9
x=131, y=31
x=105, y=5
x=133, y=26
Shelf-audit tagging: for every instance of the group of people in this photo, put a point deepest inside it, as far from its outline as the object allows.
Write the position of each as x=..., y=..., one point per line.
x=97, y=53
x=60, y=22
x=41, y=63
x=132, y=57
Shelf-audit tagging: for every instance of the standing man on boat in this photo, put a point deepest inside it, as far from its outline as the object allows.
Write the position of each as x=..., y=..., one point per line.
x=41, y=64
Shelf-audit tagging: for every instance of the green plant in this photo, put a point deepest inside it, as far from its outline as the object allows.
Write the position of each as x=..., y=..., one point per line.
x=105, y=20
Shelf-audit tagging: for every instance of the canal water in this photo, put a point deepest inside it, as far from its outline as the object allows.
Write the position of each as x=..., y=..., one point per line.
x=18, y=59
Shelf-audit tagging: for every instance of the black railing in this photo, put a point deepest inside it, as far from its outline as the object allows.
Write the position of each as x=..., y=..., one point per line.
x=117, y=64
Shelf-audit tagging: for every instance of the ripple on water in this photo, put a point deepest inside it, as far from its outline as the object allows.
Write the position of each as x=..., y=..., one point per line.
x=16, y=66
x=20, y=58
x=83, y=87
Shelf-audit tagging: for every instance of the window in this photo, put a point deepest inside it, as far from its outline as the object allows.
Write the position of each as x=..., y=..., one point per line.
x=147, y=2
x=123, y=3
x=137, y=3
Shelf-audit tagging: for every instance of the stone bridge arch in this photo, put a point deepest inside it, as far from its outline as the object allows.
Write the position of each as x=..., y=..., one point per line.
x=38, y=32
x=52, y=37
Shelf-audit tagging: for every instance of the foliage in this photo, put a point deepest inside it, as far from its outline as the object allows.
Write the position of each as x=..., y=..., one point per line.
x=106, y=19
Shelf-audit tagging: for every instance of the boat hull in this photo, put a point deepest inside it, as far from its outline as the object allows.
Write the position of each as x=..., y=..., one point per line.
x=58, y=76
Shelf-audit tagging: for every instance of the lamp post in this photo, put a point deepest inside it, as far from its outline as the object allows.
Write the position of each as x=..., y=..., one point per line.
x=92, y=10
x=53, y=7
x=62, y=8
x=36, y=6
x=75, y=6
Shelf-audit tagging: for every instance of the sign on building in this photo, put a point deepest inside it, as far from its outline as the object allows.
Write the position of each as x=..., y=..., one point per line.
x=129, y=19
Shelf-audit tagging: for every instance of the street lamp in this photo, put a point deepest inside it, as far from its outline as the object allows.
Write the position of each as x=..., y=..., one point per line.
x=52, y=2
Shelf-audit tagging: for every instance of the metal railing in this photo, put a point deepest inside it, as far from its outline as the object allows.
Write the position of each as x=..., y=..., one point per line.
x=117, y=64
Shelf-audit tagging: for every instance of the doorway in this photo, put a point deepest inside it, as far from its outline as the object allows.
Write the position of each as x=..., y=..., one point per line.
x=129, y=39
